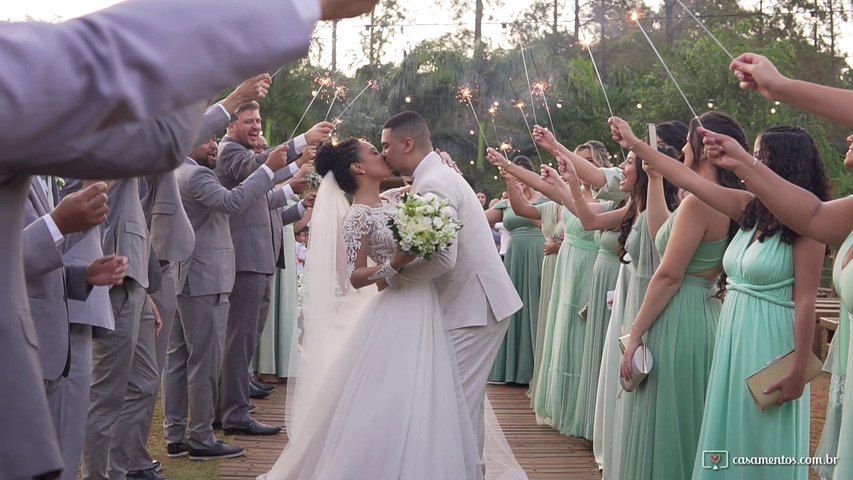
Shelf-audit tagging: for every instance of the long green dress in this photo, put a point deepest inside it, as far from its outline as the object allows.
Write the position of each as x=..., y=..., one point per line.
x=756, y=326
x=611, y=403
x=604, y=273
x=555, y=398
x=843, y=279
x=523, y=262
x=551, y=228
x=661, y=440
x=836, y=365
x=272, y=356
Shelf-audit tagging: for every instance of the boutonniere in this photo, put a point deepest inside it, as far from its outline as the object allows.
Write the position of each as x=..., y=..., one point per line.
x=60, y=183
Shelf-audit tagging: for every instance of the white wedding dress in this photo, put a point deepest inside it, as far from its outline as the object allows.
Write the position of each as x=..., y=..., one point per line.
x=378, y=395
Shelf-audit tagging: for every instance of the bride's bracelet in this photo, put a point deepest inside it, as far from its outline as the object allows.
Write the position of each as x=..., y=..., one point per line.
x=384, y=272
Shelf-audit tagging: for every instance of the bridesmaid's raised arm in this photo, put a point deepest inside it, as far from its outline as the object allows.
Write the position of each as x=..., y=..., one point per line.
x=587, y=172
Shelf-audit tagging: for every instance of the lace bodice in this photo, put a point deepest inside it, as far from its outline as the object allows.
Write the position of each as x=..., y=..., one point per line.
x=371, y=222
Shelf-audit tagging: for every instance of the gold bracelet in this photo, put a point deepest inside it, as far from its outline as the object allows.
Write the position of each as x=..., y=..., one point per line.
x=754, y=161
x=631, y=148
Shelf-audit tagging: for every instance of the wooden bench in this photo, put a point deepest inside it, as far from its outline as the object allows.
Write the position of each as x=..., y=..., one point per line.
x=827, y=325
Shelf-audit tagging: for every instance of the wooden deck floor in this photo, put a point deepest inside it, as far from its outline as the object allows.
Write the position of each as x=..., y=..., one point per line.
x=543, y=453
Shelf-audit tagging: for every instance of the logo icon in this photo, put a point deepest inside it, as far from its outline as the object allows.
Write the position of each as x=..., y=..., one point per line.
x=715, y=459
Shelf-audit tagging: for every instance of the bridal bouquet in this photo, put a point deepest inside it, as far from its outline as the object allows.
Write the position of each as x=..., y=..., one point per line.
x=423, y=224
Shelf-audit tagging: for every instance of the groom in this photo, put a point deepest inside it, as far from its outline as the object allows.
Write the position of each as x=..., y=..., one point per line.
x=473, y=286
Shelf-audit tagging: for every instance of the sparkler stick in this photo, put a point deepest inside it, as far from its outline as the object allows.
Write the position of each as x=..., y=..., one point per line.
x=520, y=105
x=529, y=86
x=324, y=82
x=588, y=46
x=370, y=84
x=465, y=94
x=539, y=89
x=340, y=91
x=636, y=18
x=705, y=28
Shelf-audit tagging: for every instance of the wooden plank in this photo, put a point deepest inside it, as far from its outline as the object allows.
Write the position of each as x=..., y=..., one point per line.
x=543, y=453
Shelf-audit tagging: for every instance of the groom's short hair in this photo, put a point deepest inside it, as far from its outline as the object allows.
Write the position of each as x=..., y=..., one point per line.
x=409, y=125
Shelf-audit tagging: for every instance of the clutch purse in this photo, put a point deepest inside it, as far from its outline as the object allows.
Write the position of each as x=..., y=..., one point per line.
x=641, y=364
x=584, y=311
x=772, y=372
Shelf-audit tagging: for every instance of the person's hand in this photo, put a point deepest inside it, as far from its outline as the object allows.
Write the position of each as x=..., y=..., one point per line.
x=626, y=367
x=566, y=169
x=724, y=151
x=319, y=133
x=551, y=246
x=650, y=171
x=158, y=321
x=304, y=170
x=550, y=176
x=308, y=201
x=508, y=177
x=277, y=159
x=338, y=9
x=447, y=160
x=496, y=158
x=790, y=386
x=381, y=284
x=621, y=132
x=298, y=184
x=251, y=89
x=82, y=210
x=544, y=138
x=400, y=259
x=310, y=152
x=106, y=271
x=756, y=72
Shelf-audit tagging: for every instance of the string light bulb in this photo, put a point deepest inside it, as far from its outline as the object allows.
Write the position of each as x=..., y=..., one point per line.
x=656, y=23
x=710, y=103
x=639, y=105
x=773, y=110
x=559, y=104
x=471, y=132
x=408, y=99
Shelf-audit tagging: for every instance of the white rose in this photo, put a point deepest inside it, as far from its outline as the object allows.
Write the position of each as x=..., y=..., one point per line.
x=437, y=222
x=429, y=197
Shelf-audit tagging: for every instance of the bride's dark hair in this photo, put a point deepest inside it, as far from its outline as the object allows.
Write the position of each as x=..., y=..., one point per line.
x=337, y=159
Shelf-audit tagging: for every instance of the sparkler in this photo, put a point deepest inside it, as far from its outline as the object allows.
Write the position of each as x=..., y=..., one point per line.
x=324, y=82
x=705, y=28
x=529, y=86
x=539, y=89
x=520, y=106
x=340, y=92
x=588, y=46
x=465, y=94
x=370, y=84
x=636, y=18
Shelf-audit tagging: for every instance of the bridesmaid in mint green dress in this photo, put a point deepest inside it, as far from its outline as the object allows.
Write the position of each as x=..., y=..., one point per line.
x=770, y=268
x=678, y=318
x=523, y=262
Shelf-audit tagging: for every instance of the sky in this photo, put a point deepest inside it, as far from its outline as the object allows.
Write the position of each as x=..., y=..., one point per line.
x=350, y=56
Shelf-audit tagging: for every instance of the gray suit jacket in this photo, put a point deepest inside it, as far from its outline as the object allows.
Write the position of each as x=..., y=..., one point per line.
x=48, y=283
x=256, y=244
x=214, y=120
x=209, y=205
x=121, y=64
x=126, y=233
x=97, y=310
x=171, y=232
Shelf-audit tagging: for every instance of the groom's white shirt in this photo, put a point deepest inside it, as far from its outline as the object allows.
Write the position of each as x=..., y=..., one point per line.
x=470, y=276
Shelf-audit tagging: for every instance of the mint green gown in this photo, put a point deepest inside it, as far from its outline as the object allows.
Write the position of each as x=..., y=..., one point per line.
x=523, y=262
x=604, y=273
x=551, y=228
x=555, y=397
x=843, y=279
x=661, y=435
x=613, y=407
x=756, y=326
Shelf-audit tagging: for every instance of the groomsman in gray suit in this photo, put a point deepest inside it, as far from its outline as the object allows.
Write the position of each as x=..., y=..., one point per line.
x=90, y=89
x=197, y=340
x=256, y=248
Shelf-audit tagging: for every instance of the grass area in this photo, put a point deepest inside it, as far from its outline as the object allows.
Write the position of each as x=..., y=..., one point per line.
x=179, y=468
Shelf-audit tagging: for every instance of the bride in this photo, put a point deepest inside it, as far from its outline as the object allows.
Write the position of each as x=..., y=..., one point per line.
x=378, y=394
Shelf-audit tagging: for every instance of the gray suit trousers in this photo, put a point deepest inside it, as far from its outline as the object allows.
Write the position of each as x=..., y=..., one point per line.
x=113, y=358
x=240, y=339
x=263, y=315
x=75, y=399
x=191, y=379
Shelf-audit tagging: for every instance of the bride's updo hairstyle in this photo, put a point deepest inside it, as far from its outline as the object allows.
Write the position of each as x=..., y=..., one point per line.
x=337, y=159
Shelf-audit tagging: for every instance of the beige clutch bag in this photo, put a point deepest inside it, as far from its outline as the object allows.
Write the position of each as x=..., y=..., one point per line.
x=641, y=364
x=772, y=372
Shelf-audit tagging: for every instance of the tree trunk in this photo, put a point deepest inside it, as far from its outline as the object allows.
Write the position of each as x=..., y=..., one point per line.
x=372, y=54
x=602, y=22
x=555, y=16
x=669, y=6
x=335, y=46
x=577, y=20
x=478, y=32
x=832, y=38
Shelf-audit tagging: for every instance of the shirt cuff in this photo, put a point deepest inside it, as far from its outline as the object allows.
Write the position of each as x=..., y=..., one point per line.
x=308, y=10
x=268, y=170
x=300, y=208
x=288, y=191
x=54, y=230
x=300, y=144
x=224, y=110
x=293, y=168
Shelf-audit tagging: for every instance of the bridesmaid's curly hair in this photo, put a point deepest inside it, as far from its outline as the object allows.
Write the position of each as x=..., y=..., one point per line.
x=337, y=158
x=793, y=155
